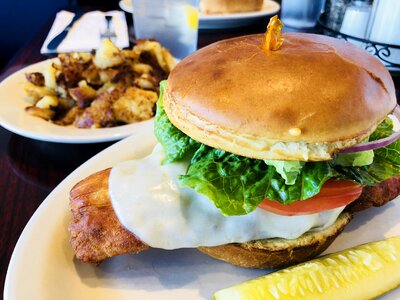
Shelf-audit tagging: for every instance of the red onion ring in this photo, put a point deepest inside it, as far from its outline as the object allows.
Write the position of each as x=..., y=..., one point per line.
x=378, y=143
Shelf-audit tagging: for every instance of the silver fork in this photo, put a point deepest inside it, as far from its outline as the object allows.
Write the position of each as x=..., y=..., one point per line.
x=109, y=33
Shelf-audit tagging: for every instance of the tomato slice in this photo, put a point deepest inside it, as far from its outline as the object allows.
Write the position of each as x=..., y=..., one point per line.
x=333, y=194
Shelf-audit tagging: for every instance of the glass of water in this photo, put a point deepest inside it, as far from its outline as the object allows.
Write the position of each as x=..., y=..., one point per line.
x=174, y=23
x=301, y=13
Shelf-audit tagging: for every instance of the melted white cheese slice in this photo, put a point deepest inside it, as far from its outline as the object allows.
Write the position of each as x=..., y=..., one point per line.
x=149, y=202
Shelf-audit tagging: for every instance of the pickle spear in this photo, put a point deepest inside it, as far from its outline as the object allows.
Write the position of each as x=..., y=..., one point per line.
x=363, y=272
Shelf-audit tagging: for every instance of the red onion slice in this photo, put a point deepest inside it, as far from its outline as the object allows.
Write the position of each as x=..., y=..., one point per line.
x=378, y=143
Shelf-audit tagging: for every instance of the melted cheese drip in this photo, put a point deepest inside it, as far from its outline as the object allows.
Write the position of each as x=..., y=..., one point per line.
x=149, y=202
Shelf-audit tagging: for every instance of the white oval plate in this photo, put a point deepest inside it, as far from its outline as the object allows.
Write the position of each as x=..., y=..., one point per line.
x=14, y=118
x=43, y=265
x=221, y=21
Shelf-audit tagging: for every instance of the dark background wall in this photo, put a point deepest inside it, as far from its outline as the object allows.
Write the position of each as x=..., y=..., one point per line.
x=20, y=20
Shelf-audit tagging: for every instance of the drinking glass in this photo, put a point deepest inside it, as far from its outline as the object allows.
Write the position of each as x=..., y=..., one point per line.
x=174, y=23
x=301, y=13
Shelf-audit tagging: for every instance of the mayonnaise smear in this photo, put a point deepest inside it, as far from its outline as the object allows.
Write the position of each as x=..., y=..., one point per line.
x=149, y=202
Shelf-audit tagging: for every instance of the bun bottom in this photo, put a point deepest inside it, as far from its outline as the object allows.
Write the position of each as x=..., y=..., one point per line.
x=278, y=252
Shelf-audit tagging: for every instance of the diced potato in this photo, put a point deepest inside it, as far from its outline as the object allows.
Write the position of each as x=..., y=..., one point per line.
x=50, y=76
x=46, y=113
x=130, y=54
x=47, y=102
x=142, y=68
x=135, y=105
x=82, y=57
x=83, y=94
x=164, y=58
x=146, y=82
x=107, y=75
x=36, y=78
x=35, y=93
x=66, y=103
x=70, y=117
x=108, y=55
x=91, y=75
x=61, y=91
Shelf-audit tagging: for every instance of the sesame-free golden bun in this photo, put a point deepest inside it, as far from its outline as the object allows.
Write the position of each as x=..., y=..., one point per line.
x=229, y=6
x=306, y=101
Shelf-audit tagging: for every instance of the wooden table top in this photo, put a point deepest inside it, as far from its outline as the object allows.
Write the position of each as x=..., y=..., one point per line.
x=30, y=169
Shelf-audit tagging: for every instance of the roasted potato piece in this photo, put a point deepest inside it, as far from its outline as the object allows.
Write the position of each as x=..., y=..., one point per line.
x=71, y=71
x=44, y=113
x=83, y=94
x=135, y=105
x=70, y=117
x=35, y=93
x=50, y=77
x=142, y=68
x=82, y=57
x=165, y=60
x=91, y=75
x=108, y=55
x=100, y=113
x=47, y=102
x=66, y=103
x=131, y=55
x=35, y=78
x=147, y=82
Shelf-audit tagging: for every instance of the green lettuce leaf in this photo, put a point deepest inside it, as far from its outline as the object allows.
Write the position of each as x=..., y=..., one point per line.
x=289, y=170
x=392, y=151
x=386, y=161
x=356, y=159
x=177, y=145
x=237, y=184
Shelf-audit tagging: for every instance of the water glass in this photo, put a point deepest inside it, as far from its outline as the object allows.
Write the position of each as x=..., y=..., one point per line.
x=174, y=23
x=301, y=13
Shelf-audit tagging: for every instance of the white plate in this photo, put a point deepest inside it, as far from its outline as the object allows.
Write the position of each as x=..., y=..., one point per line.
x=221, y=21
x=43, y=265
x=14, y=118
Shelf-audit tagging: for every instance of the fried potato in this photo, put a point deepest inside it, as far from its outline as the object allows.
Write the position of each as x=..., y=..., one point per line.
x=44, y=113
x=95, y=89
x=35, y=92
x=108, y=55
x=135, y=105
x=83, y=94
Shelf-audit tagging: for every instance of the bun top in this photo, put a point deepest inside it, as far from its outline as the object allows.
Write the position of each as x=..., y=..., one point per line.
x=314, y=90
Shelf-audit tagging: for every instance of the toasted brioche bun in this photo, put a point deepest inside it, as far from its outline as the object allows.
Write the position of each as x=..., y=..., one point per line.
x=229, y=6
x=278, y=253
x=306, y=101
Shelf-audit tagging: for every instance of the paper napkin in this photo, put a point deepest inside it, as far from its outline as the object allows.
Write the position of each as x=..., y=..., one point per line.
x=85, y=33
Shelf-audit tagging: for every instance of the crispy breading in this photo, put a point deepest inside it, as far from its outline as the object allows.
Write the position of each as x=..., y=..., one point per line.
x=377, y=195
x=96, y=233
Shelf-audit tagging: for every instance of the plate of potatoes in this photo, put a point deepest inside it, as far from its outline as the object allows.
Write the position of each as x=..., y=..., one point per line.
x=105, y=95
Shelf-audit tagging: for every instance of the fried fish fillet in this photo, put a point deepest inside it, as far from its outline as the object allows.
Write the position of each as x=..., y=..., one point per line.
x=97, y=234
